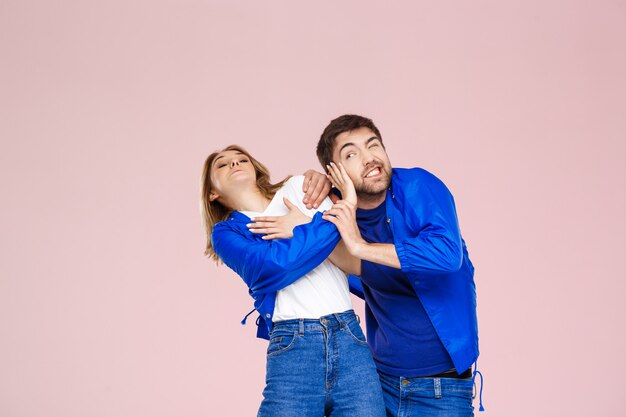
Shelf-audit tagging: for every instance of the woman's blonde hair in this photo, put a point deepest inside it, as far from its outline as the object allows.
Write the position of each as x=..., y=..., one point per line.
x=213, y=211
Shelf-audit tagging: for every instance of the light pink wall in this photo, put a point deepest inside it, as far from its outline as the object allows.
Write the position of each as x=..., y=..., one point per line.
x=108, y=109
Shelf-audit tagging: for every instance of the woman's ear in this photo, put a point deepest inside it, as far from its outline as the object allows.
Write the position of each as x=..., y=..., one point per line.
x=213, y=196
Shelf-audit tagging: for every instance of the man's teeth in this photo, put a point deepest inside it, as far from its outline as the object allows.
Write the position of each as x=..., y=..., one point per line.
x=373, y=172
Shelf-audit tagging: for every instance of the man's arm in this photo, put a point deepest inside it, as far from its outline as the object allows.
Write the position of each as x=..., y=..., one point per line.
x=342, y=258
x=343, y=215
x=435, y=248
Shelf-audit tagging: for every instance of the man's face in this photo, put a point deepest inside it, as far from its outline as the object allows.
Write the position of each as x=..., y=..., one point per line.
x=362, y=154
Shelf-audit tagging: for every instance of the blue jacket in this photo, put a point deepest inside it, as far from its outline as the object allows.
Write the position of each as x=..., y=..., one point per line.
x=423, y=220
x=267, y=266
x=428, y=242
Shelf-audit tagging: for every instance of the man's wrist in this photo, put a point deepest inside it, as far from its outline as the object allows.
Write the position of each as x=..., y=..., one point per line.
x=358, y=249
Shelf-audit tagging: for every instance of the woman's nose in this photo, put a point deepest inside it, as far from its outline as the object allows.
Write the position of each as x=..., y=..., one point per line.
x=233, y=163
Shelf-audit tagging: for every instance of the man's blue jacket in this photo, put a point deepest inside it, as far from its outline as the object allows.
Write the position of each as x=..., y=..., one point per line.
x=422, y=216
x=423, y=220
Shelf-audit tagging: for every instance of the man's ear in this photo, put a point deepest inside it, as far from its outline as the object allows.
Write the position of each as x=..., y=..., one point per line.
x=213, y=196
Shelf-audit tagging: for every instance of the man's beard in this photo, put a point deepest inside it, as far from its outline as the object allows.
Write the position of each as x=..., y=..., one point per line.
x=372, y=192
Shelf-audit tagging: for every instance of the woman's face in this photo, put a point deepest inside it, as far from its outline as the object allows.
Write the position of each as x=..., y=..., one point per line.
x=231, y=170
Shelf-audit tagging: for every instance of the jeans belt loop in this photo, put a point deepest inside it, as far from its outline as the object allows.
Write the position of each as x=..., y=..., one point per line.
x=301, y=327
x=437, y=383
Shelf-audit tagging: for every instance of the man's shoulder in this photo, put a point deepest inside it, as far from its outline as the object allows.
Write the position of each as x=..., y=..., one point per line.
x=414, y=175
x=417, y=182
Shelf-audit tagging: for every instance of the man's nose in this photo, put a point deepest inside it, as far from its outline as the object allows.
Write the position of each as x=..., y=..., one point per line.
x=368, y=158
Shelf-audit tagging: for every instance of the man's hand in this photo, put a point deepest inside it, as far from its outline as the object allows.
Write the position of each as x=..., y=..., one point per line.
x=343, y=215
x=279, y=227
x=316, y=187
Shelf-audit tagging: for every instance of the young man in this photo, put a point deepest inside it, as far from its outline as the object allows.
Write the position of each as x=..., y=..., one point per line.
x=416, y=275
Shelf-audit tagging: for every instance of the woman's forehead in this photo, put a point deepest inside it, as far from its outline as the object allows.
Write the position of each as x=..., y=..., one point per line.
x=227, y=154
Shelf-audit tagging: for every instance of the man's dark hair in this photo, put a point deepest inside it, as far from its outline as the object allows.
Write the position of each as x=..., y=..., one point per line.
x=336, y=127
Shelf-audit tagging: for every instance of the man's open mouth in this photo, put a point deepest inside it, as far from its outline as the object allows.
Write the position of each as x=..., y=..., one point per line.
x=374, y=172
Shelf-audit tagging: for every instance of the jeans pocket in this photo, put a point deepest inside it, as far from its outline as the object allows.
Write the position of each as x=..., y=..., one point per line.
x=459, y=387
x=281, y=341
x=355, y=331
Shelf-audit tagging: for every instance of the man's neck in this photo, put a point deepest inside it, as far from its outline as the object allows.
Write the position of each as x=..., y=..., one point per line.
x=369, y=201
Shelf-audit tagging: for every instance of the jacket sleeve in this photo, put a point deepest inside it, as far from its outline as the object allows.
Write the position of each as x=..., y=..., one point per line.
x=356, y=287
x=267, y=266
x=437, y=245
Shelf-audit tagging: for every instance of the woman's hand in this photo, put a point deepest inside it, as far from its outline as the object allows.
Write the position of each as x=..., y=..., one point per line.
x=279, y=227
x=316, y=187
x=340, y=179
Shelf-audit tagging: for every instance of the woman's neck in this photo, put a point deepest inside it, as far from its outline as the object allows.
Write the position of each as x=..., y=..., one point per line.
x=249, y=199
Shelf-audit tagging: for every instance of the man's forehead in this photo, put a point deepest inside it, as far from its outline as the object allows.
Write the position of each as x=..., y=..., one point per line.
x=360, y=134
x=357, y=137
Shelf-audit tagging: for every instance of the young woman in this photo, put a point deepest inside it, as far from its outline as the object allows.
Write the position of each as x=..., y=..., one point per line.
x=318, y=362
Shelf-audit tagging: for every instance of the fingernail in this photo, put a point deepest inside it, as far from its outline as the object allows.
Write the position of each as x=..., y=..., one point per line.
x=249, y=224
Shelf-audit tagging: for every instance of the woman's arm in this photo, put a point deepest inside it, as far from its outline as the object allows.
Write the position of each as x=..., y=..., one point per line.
x=269, y=265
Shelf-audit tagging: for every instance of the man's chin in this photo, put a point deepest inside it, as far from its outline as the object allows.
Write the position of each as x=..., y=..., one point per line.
x=372, y=191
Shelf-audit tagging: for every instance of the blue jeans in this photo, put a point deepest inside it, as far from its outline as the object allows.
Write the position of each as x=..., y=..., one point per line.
x=321, y=367
x=427, y=397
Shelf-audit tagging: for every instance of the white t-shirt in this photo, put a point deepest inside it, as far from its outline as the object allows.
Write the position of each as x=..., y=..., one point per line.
x=322, y=291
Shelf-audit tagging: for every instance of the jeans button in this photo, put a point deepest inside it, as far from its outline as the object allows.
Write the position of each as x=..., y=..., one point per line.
x=405, y=382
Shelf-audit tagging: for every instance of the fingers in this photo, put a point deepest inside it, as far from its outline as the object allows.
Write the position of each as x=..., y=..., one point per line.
x=315, y=196
x=334, y=198
x=330, y=218
x=344, y=173
x=288, y=203
x=265, y=230
x=313, y=186
x=307, y=180
x=273, y=236
x=325, y=191
x=263, y=221
x=335, y=173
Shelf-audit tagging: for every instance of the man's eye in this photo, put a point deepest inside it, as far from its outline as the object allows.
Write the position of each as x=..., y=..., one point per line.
x=373, y=145
x=350, y=155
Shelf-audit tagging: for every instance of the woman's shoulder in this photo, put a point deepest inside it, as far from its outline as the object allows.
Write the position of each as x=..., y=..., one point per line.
x=295, y=182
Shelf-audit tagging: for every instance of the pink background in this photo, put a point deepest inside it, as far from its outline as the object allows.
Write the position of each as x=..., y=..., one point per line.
x=108, y=109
